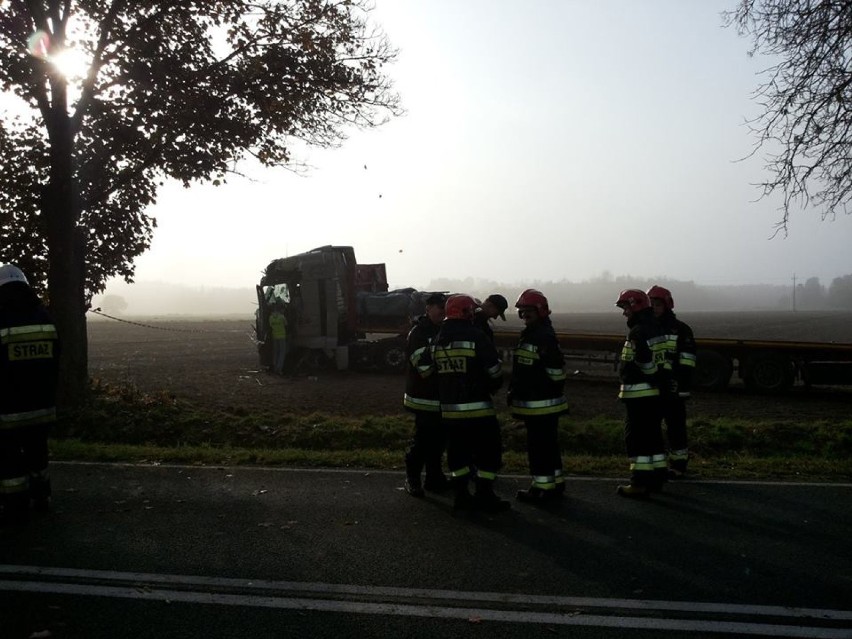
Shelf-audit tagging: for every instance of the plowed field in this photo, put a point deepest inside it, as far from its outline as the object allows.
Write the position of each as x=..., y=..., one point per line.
x=213, y=363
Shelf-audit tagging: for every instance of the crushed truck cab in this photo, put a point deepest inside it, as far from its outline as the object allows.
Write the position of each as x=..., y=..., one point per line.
x=338, y=313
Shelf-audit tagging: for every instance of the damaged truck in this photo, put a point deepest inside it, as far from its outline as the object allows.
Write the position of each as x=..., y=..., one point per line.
x=339, y=314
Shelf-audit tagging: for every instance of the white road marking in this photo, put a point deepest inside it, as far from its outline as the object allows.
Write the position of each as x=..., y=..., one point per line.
x=566, y=611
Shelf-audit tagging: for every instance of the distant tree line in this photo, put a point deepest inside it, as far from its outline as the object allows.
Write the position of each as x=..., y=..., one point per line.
x=599, y=293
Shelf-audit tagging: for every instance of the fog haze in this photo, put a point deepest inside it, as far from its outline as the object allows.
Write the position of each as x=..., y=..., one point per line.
x=543, y=142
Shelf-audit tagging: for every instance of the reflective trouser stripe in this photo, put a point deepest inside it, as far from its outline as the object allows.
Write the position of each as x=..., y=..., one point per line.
x=461, y=472
x=642, y=463
x=545, y=482
x=631, y=391
x=470, y=409
x=658, y=462
x=484, y=474
x=540, y=406
x=679, y=455
x=40, y=416
x=13, y=485
x=687, y=359
x=416, y=403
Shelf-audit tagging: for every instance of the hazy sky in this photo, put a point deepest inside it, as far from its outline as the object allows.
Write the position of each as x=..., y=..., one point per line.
x=543, y=140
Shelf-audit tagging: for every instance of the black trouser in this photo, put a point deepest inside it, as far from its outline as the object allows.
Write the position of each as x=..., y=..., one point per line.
x=644, y=438
x=24, y=464
x=427, y=445
x=474, y=443
x=674, y=414
x=545, y=458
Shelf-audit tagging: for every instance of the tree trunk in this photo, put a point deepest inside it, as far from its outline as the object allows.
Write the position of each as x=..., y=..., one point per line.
x=66, y=256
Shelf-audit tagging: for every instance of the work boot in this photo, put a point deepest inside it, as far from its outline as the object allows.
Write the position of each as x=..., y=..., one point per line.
x=487, y=500
x=463, y=499
x=413, y=466
x=413, y=486
x=633, y=491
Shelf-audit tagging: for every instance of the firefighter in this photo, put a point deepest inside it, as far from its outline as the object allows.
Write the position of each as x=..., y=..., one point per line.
x=29, y=366
x=469, y=372
x=494, y=306
x=536, y=395
x=278, y=332
x=678, y=365
x=640, y=393
x=421, y=398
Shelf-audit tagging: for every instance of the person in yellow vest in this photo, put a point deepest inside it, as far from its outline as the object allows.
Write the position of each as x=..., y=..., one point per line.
x=29, y=372
x=278, y=332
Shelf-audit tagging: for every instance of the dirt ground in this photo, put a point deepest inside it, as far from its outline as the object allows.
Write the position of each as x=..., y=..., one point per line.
x=213, y=363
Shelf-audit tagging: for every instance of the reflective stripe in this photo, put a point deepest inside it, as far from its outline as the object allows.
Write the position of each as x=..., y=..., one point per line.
x=13, y=485
x=540, y=406
x=556, y=374
x=470, y=409
x=27, y=333
x=545, y=482
x=417, y=403
x=688, y=359
x=659, y=461
x=415, y=356
x=632, y=391
x=456, y=349
x=485, y=474
x=642, y=463
x=679, y=455
x=461, y=472
x=558, y=478
x=40, y=416
x=649, y=368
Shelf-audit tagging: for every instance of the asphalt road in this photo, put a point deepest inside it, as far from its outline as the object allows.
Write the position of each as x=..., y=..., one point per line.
x=157, y=551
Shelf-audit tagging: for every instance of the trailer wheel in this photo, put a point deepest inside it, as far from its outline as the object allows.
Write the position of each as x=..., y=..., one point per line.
x=712, y=370
x=769, y=374
x=392, y=356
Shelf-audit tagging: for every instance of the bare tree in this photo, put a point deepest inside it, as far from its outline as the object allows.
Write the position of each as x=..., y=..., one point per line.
x=805, y=128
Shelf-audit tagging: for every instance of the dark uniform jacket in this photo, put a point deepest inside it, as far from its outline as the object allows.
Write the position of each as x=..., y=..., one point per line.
x=29, y=367
x=481, y=321
x=678, y=360
x=469, y=370
x=538, y=377
x=421, y=384
x=637, y=367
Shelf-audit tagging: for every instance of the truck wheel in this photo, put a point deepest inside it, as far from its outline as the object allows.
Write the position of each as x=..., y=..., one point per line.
x=392, y=356
x=712, y=370
x=769, y=374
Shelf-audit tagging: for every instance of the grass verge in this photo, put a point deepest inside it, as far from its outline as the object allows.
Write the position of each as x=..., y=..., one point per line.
x=122, y=425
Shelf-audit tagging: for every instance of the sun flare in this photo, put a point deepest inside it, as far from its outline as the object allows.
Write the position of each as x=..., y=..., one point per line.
x=70, y=63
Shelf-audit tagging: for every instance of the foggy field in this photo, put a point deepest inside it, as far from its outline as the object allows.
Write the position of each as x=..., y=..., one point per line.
x=213, y=363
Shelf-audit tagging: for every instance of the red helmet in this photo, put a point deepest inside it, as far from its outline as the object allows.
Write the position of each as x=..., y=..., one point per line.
x=634, y=299
x=535, y=299
x=459, y=307
x=660, y=293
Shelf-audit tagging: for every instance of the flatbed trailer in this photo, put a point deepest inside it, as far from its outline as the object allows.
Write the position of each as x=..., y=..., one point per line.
x=768, y=366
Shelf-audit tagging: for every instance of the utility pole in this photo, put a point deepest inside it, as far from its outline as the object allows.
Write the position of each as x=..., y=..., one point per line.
x=794, y=292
